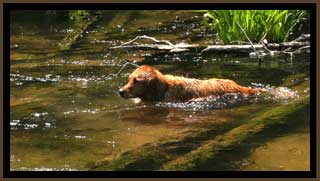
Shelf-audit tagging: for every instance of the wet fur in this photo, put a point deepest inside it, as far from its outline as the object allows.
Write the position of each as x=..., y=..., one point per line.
x=148, y=84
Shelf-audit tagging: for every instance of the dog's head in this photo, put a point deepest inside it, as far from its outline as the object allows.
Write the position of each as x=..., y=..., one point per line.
x=140, y=82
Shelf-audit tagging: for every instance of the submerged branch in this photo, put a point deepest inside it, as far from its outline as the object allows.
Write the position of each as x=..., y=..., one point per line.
x=71, y=38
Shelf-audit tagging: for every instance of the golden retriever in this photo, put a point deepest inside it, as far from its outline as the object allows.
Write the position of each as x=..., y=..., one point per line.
x=149, y=84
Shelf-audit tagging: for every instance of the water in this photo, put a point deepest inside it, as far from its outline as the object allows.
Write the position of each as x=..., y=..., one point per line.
x=65, y=113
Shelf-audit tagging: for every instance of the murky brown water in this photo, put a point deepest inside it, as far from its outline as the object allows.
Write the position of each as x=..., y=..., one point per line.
x=65, y=112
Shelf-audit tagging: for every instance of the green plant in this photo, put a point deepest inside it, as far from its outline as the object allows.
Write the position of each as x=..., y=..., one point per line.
x=78, y=15
x=276, y=25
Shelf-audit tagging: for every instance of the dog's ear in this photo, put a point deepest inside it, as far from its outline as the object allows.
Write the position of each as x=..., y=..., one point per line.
x=139, y=79
x=146, y=76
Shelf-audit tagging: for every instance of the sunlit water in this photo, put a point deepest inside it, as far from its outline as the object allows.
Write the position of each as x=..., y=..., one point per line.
x=65, y=113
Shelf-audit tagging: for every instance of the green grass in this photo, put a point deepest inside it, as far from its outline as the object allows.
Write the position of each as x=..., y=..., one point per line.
x=276, y=24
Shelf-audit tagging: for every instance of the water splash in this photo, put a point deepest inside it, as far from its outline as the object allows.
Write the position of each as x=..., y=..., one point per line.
x=276, y=93
x=211, y=102
x=229, y=100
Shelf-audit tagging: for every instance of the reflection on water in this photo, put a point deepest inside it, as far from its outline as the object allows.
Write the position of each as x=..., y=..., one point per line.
x=65, y=113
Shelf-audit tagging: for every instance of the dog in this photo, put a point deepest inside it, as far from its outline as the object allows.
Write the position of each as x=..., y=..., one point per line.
x=149, y=84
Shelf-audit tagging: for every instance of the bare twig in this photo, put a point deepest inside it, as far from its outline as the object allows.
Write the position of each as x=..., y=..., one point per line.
x=245, y=34
x=149, y=38
x=124, y=65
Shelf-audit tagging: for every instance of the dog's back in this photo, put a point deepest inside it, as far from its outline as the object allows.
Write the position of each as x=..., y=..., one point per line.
x=183, y=89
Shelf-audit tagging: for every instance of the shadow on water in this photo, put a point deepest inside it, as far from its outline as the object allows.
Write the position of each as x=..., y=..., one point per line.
x=238, y=156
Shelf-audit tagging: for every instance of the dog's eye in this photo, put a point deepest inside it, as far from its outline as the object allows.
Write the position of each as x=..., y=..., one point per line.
x=135, y=80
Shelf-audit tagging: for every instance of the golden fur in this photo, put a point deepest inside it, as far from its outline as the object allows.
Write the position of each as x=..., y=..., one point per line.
x=148, y=84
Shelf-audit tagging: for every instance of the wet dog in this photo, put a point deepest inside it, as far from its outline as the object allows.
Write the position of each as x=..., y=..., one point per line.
x=149, y=84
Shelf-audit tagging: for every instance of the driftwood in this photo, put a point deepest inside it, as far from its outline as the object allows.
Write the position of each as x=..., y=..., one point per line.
x=299, y=45
x=248, y=48
x=166, y=45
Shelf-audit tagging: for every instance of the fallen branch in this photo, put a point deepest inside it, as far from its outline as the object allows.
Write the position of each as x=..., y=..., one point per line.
x=232, y=48
x=260, y=50
x=284, y=45
x=248, y=48
x=149, y=38
x=166, y=46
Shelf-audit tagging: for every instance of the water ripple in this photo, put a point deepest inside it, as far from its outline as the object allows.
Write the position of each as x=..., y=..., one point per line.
x=33, y=121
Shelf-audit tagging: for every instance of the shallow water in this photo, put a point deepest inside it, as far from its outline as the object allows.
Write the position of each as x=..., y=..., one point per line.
x=65, y=113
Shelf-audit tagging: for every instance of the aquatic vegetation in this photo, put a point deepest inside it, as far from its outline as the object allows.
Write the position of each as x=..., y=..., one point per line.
x=275, y=25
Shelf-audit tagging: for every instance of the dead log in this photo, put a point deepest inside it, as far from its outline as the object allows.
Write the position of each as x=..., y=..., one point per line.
x=248, y=48
x=181, y=47
x=232, y=48
x=284, y=45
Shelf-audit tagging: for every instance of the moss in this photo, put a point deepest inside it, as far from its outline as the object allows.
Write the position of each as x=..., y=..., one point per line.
x=152, y=156
x=181, y=152
x=278, y=116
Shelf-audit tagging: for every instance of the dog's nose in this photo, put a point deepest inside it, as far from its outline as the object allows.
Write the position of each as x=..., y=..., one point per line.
x=121, y=92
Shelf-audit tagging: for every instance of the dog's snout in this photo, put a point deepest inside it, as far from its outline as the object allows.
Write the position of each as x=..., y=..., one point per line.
x=121, y=92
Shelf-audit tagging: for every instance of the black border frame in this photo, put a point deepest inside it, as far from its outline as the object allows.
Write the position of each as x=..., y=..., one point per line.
x=157, y=174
